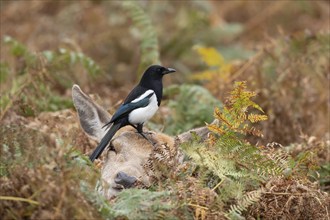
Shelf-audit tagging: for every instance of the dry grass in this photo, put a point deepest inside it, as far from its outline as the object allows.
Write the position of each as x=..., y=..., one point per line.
x=291, y=199
x=42, y=168
x=37, y=165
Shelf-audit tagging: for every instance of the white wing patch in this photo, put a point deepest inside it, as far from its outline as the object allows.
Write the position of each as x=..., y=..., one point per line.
x=148, y=92
x=141, y=115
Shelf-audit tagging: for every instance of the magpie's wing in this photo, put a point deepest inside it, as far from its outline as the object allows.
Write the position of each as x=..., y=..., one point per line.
x=135, y=93
x=125, y=109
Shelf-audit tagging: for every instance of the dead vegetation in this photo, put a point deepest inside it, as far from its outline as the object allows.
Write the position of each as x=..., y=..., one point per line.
x=39, y=166
x=285, y=59
x=291, y=199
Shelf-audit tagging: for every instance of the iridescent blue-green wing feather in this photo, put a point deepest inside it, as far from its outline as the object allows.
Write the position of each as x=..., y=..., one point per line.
x=125, y=109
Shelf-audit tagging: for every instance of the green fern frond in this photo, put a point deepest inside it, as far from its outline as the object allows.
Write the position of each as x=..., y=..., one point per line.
x=20, y=50
x=240, y=98
x=38, y=70
x=247, y=200
x=67, y=57
x=235, y=116
x=139, y=203
x=232, y=158
x=149, y=42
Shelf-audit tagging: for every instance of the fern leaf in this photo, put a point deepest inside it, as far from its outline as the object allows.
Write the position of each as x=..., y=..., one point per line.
x=149, y=41
x=253, y=131
x=247, y=200
x=231, y=158
x=216, y=129
x=223, y=117
x=257, y=117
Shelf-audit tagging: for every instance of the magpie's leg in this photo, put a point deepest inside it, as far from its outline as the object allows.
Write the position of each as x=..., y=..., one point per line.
x=134, y=127
x=139, y=129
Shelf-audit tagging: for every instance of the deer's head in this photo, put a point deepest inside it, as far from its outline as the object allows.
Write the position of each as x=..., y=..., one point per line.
x=127, y=152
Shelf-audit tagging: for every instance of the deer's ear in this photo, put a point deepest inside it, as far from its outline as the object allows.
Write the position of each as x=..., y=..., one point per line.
x=91, y=116
x=202, y=132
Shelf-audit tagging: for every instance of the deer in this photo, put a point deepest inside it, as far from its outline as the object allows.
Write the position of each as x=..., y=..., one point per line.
x=125, y=163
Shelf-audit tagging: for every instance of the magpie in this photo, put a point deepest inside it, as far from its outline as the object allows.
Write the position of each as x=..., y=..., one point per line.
x=138, y=107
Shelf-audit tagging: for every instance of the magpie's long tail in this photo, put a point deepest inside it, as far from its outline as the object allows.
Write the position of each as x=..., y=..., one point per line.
x=105, y=141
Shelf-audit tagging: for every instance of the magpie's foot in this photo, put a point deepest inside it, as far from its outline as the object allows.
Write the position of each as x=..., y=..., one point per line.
x=143, y=134
x=149, y=133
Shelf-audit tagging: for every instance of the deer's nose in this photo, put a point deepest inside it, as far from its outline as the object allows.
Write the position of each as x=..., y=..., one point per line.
x=125, y=180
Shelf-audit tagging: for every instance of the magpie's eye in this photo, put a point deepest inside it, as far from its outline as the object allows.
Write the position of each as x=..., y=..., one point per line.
x=159, y=69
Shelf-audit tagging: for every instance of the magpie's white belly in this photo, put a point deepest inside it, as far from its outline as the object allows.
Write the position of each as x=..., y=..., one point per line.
x=141, y=115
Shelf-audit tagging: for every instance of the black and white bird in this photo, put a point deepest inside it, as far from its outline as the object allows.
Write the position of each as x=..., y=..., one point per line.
x=139, y=106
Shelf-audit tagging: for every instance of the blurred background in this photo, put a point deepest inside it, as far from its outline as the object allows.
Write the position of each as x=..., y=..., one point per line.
x=281, y=48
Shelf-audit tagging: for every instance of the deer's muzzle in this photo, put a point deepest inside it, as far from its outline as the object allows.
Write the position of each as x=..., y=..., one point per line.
x=125, y=180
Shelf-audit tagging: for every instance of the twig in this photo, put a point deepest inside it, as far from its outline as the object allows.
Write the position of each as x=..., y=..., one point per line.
x=198, y=206
x=214, y=188
x=291, y=194
x=12, y=198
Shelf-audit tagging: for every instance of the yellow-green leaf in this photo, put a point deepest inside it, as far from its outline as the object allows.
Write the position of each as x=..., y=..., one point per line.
x=210, y=56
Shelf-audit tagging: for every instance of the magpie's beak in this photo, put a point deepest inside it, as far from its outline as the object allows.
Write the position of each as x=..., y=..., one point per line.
x=168, y=70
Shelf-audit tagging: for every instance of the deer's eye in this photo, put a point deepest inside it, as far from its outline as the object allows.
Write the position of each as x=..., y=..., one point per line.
x=112, y=148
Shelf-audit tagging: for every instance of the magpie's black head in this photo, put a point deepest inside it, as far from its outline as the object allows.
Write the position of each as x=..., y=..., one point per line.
x=156, y=72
